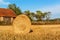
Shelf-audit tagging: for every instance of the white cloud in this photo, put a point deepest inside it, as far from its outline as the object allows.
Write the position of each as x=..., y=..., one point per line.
x=2, y=2
x=54, y=9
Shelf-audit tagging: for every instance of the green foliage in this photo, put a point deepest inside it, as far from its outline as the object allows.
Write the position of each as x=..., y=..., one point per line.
x=29, y=14
x=15, y=9
x=47, y=15
x=39, y=15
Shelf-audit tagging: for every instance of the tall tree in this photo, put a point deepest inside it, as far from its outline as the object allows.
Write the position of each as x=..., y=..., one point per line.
x=47, y=15
x=15, y=8
x=39, y=15
x=32, y=14
x=29, y=14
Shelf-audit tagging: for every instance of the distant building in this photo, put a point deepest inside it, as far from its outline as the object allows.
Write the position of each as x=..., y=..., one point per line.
x=7, y=15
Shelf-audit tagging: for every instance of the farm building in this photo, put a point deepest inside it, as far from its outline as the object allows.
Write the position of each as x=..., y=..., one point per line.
x=7, y=15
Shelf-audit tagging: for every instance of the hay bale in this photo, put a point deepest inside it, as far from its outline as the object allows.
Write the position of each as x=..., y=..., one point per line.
x=22, y=24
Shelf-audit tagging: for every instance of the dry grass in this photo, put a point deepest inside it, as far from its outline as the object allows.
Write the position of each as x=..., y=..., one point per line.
x=39, y=33
x=22, y=24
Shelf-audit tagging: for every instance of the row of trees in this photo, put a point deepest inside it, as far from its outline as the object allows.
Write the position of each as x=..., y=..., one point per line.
x=38, y=16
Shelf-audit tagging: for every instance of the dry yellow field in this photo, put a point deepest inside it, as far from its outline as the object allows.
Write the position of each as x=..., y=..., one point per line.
x=6, y=28
x=40, y=32
x=34, y=27
x=45, y=28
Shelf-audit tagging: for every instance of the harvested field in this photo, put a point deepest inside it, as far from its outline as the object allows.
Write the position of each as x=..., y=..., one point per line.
x=5, y=28
x=40, y=32
x=46, y=28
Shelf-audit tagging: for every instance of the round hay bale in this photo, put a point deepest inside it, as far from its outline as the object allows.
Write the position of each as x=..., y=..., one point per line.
x=22, y=24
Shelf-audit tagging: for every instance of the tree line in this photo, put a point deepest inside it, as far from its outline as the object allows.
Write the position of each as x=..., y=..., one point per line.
x=34, y=16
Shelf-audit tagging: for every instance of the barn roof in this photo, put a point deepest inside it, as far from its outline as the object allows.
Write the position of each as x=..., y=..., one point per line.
x=7, y=12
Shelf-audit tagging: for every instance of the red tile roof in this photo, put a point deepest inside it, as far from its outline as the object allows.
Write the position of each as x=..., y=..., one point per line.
x=7, y=12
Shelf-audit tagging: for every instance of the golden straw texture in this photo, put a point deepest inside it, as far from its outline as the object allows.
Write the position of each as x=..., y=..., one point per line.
x=22, y=24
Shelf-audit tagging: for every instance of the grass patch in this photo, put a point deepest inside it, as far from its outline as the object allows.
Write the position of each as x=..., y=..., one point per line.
x=30, y=36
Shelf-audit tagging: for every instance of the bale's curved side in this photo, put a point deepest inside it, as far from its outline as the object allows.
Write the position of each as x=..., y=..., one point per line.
x=22, y=24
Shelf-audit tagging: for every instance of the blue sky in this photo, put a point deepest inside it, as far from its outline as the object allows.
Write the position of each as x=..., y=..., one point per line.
x=44, y=5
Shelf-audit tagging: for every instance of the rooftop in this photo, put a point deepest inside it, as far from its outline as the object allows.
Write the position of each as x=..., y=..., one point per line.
x=7, y=12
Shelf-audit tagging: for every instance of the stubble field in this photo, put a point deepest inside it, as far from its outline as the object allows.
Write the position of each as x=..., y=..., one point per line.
x=40, y=32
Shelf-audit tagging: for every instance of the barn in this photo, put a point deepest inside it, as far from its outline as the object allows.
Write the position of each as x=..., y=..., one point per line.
x=7, y=16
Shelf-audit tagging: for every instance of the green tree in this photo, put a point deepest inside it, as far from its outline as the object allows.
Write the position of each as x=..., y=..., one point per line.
x=15, y=9
x=29, y=14
x=32, y=14
x=47, y=15
x=38, y=15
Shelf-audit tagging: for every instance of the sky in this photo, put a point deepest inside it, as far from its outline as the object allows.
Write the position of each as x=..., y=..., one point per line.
x=43, y=5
